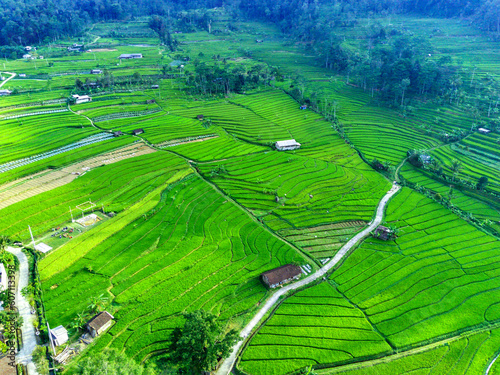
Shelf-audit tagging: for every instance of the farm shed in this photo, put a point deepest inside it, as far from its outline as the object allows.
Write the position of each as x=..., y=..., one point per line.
x=99, y=323
x=82, y=99
x=22, y=75
x=200, y=117
x=5, y=92
x=117, y=133
x=3, y=278
x=130, y=56
x=27, y=56
x=290, y=144
x=383, y=233
x=155, y=86
x=303, y=106
x=27, y=48
x=281, y=275
x=483, y=130
x=59, y=335
x=150, y=101
x=137, y=131
x=96, y=71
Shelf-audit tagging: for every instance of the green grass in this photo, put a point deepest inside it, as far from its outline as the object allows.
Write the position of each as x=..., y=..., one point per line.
x=115, y=186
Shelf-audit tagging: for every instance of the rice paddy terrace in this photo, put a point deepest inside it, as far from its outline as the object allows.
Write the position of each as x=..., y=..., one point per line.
x=203, y=204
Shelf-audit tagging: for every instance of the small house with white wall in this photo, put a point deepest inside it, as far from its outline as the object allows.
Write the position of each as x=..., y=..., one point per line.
x=82, y=99
x=287, y=145
x=59, y=335
x=100, y=323
x=483, y=130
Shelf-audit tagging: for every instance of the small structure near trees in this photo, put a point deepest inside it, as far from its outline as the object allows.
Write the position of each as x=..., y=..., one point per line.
x=137, y=131
x=59, y=335
x=5, y=92
x=155, y=87
x=200, y=117
x=100, y=323
x=81, y=99
x=304, y=106
x=290, y=144
x=281, y=275
x=483, y=130
x=117, y=133
x=96, y=71
x=384, y=233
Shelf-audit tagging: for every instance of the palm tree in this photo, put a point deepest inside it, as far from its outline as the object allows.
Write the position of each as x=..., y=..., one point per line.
x=79, y=320
x=97, y=304
x=455, y=167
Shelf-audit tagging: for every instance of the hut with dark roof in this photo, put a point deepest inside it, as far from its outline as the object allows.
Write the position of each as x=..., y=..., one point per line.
x=99, y=323
x=137, y=131
x=117, y=133
x=200, y=117
x=383, y=233
x=281, y=275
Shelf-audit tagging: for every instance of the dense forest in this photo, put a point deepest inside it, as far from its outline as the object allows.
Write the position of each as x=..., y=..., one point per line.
x=41, y=21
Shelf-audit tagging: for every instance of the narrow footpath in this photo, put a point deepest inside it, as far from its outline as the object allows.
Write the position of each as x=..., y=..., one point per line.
x=29, y=337
x=228, y=364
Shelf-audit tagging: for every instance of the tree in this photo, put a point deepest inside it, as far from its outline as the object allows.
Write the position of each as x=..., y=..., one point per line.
x=455, y=167
x=4, y=241
x=97, y=303
x=110, y=361
x=481, y=184
x=200, y=343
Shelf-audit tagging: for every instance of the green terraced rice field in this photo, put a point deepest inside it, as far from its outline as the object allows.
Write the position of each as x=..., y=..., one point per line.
x=194, y=250
x=310, y=192
x=438, y=277
x=467, y=355
x=316, y=325
x=323, y=241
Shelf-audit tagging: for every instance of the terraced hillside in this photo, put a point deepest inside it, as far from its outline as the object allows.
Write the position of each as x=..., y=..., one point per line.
x=468, y=355
x=437, y=279
x=316, y=325
x=193, y=250
x=289, y=191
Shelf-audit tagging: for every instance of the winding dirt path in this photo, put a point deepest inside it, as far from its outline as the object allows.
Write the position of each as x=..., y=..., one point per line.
x=228, y=364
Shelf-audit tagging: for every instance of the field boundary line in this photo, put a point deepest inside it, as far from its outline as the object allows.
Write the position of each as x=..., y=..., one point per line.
x=229, y=362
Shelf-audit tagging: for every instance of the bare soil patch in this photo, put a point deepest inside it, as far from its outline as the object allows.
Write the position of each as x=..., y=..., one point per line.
x=27, y=187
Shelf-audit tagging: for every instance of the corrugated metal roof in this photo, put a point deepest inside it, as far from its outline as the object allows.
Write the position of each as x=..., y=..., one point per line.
x=289, y=142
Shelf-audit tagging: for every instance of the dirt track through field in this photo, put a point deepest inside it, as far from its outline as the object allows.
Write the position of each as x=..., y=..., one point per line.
x=27, y=187
x=228, y=364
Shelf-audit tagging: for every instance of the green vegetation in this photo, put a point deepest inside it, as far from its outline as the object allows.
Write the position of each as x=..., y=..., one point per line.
x=468, y=355
x=201, y=218
x=317, y=325
x=201, y=342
